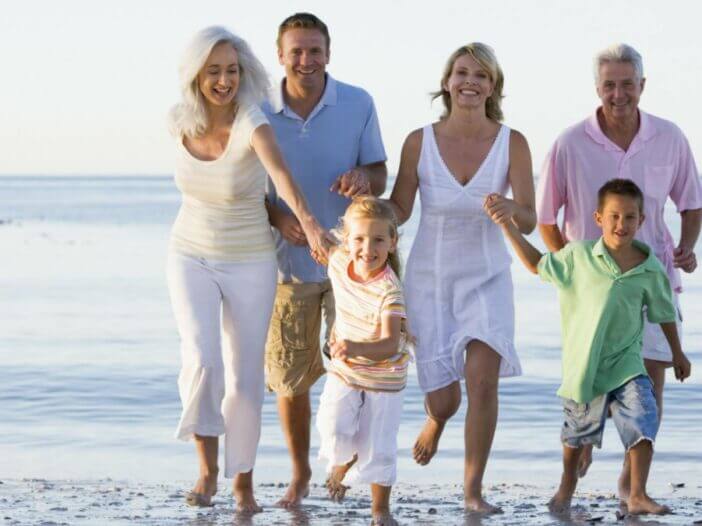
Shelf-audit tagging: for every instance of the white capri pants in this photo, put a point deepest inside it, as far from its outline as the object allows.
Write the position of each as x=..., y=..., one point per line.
x=351, y=421
x=222, y=310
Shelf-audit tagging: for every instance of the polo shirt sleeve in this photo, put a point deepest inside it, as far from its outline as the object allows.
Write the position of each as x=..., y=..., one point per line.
x=658, y=298
x=557, y=267
x=551, y=191
x=686, y=191
x=371, y=148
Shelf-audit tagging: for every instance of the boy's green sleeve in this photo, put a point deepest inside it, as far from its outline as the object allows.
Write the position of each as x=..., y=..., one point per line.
x=658, y=298
x=557, y=267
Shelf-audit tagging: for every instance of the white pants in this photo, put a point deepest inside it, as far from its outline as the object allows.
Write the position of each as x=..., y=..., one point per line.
x=655, y=344
x=364, y=423
x=222, y=310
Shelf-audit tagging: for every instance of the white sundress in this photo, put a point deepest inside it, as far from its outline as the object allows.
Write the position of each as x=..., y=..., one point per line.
x=458, y=285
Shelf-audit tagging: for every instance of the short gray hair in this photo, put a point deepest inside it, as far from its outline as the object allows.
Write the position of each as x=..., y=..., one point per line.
x=619, y=53
x=189, y=117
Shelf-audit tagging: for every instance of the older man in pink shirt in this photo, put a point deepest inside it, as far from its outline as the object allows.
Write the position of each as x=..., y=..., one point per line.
x=620, y=140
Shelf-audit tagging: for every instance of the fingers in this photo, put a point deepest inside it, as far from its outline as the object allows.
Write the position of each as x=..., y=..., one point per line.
x=351, y=183
x=295, y=235
x=685, y=261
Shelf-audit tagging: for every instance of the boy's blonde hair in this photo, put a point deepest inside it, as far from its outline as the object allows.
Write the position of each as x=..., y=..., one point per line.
x=370, y=207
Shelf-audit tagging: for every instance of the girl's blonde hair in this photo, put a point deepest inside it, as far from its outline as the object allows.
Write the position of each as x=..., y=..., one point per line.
x=369, y=207
x=485, y=56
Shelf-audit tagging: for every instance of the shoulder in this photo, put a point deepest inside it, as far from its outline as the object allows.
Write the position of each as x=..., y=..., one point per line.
x=572, y=135
x=517, y=143
x=664, y=126
x=414, y=139
x=350, y=93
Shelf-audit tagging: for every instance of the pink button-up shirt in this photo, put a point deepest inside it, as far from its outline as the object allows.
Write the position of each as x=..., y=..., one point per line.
x=659, y=160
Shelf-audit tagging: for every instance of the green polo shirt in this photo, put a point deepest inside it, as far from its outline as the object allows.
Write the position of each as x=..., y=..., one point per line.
x=602, y=315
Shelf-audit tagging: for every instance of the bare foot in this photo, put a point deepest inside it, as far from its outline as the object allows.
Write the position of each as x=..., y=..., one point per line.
x=644, y=505
x=245, y=501
x=298, y=489
x=335, y=482
x=428, y=441
x=585, y=460
x=480, y=505
x=559, y=504
x=383, y=518
x=204, y=489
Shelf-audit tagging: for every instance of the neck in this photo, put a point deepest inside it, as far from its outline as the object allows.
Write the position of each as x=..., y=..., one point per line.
x=364, y=277
x=220, y=116
x=619, y=130
x=622, y=250
x=470, y=123
x=302, y=99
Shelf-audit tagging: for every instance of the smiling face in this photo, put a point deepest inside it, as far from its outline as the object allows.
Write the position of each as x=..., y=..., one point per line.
x=304, y=54
x=619, y=90
x=368, y=241
x=619, y=218
x=219, y=77
x=469, y=84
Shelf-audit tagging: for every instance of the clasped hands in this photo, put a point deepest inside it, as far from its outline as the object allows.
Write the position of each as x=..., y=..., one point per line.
x=499, y=208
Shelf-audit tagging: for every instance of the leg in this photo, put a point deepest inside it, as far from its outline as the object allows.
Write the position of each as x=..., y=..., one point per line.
x=295, y=416
x=639, y=502
x=196, y=301
x=560, y=502
x=440, y=405
x=244, y=336
x=380, y=506
x=482, y=374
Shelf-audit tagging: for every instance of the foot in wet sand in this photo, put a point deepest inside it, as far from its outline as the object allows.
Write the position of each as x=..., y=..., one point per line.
x=644, y=505
x=585, y=460
x=204, y=489
x=245, y=501
x=298, y=489
x=383, y=518
x=559, y=504
x=480, y=505
x=335, y=482
x=428, y=441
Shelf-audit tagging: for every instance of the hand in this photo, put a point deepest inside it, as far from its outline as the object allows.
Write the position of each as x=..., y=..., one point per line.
x=319, y=240
x=352, y=183
x=289, y=227
x=684, y=258
x=681, y=366
x=500, y=209
x=343, y=349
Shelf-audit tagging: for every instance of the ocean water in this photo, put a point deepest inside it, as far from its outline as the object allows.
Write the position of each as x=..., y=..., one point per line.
x=89, y=355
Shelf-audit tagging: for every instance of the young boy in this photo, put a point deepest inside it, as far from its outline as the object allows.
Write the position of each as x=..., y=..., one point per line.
x=603, y=288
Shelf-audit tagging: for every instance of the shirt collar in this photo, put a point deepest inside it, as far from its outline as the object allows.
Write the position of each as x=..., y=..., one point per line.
x=329, y=96
x=647, y=130
x=600, y=250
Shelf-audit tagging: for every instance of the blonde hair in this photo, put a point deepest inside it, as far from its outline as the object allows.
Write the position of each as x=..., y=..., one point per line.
x=189, y=117
x=485, y=56
x=370, y=207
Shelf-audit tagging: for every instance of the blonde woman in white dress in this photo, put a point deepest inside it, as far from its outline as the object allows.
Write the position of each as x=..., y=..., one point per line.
x=221, y=265
x=458, y=283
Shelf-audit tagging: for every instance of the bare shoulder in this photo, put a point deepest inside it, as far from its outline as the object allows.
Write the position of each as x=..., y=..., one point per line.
x=414, y=139
x=517, y=140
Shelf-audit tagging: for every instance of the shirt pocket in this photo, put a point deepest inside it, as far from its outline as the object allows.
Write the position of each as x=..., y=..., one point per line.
x=657, y=182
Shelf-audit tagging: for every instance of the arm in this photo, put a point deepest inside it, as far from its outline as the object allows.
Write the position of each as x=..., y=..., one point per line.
x=265, y=146
x=407, y=182
x=552, y=236
x=681, y=364
x=366, y=179
x=382, y=349
x=529, y=255
x=287, y=224
x=684, y=254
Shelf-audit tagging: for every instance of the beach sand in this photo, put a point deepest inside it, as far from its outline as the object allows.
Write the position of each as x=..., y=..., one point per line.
x=54, y=502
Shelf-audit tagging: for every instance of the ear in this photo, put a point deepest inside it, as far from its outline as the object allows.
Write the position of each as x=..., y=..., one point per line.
x=598, y=218
x=643, y=84
x=641, y=219
x=280, y=56
x=393, y=245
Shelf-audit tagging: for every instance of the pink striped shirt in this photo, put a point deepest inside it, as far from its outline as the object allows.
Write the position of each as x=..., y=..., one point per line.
x=583, y=158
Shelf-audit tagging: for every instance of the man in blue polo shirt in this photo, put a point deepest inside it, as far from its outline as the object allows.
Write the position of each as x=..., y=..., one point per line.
x=329, y=134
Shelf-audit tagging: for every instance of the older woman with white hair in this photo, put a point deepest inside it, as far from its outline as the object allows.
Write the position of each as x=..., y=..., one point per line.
x=619, y=140
x=221, y=266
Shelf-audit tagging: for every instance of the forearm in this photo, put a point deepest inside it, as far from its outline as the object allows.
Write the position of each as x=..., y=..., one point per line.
x=526, y=252
x=274, y=213
x=400, y=214
x=378, y=350
x=690, y=228
x=377, y=174
x=552, y=237
x=670, y=330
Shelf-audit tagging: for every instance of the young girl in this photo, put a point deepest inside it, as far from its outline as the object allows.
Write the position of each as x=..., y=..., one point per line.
x=359, y=410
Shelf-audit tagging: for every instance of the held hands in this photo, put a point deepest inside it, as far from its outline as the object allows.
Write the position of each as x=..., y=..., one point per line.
x=681, y=366
x=499, y=208
x=319, y=241
x=352, y=183
x=343, y=349
x=291, y=230
x=684, y=258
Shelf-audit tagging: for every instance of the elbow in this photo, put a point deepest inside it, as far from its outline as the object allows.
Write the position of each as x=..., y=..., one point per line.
x=533, y=269
x=528, y=223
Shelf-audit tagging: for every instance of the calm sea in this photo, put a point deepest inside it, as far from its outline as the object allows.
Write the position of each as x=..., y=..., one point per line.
x=89, y=353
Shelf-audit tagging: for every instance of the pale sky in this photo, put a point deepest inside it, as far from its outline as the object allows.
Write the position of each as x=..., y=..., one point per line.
x=87, y=84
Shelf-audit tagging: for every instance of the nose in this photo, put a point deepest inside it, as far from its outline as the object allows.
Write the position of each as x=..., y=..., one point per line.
x=618, y=91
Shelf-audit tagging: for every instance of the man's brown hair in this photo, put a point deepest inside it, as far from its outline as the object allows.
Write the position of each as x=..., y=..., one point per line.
x=303, y=21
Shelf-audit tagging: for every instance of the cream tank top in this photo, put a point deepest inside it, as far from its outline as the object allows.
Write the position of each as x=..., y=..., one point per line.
x=223, y=216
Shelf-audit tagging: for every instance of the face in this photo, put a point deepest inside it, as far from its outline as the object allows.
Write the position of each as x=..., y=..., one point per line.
x=619, y=220
x=304, y=54
x=619, y=90
x=469, y=84
x=219, y=77
x=369, y=241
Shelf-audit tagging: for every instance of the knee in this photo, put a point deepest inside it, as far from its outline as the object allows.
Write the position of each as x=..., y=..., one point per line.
x=483, y=389
x=442, y=408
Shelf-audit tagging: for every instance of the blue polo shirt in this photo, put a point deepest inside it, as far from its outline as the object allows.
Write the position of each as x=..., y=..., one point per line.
x=341, y=133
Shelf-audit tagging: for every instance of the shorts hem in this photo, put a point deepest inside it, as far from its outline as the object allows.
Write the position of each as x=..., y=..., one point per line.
x=304, y=385
x=188, y=433
x=639, y=440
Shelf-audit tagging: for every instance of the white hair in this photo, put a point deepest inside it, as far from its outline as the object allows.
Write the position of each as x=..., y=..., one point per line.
x=619, y=53
x=189, y=117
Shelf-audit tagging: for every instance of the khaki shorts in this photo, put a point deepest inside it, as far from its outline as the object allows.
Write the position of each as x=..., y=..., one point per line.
x=293, y=357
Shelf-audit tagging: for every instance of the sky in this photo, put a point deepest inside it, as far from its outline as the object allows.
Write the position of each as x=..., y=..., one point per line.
x=87, y=84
